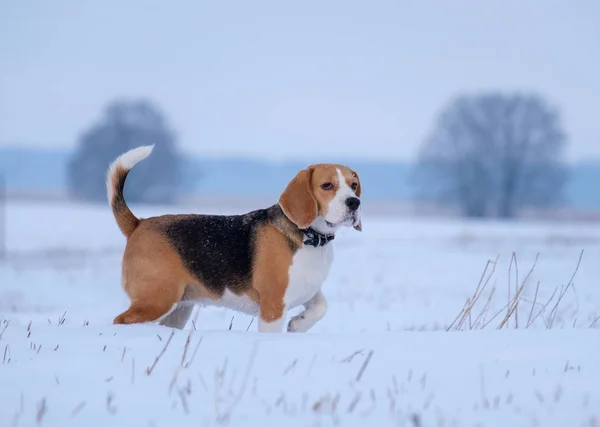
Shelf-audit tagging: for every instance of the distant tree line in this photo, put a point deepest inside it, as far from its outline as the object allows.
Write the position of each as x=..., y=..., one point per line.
x=488, y=155
x=492, y=154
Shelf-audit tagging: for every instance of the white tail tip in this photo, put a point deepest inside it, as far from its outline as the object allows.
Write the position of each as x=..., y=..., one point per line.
x=126, y=161
x=130, y=158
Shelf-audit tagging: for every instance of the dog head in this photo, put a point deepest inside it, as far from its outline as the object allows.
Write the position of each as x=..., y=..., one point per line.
x=325, y=197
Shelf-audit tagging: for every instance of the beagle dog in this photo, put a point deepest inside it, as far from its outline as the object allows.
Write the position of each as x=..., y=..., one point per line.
x=262, y=263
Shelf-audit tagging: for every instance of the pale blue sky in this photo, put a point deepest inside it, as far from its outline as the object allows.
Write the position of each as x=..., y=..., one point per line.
x=282, y=79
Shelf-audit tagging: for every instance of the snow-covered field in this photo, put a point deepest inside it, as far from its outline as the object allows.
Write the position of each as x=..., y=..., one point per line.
x=382, y=355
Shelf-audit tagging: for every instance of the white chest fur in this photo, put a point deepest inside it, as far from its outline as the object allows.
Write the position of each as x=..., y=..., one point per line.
x=309, y=269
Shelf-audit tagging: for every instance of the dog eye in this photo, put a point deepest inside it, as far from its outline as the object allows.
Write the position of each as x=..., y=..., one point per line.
x=354, y=186
x=326, y=186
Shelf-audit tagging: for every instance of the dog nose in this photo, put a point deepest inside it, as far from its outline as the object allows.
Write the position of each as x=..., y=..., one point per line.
x=353, y=203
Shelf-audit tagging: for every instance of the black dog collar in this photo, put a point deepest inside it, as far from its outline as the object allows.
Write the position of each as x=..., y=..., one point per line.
x=314, y=238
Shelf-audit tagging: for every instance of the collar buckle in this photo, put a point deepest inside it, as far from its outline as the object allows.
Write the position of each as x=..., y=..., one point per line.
x=315, y=239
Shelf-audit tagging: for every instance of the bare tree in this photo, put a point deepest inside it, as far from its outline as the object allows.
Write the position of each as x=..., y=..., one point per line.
x=126, y=125
x=493, y=154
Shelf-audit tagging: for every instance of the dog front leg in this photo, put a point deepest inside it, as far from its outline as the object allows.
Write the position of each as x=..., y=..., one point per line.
x=271, y=315
x=270, y=322
x=315, y=310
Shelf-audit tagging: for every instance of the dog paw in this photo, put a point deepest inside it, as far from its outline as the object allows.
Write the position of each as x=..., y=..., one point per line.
x=297, y=324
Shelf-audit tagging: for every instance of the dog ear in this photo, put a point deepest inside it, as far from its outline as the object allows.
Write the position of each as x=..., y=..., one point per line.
x=297, y=200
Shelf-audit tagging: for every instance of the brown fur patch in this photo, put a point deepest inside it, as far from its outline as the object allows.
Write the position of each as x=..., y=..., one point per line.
x=298, y=201
x=324, y=174
x=271, y=271
x=153, y=277
x=126, y=220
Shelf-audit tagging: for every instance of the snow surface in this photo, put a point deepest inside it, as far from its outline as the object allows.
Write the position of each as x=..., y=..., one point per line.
x=381, y=355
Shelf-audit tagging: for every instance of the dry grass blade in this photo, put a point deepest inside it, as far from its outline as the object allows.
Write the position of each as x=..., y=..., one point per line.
x=61, y=319
x=486, y=309
x=5, y=327
x=352, y=356
x=467, y=302
x=183, y=364
x=537, y=288
x=594, y=322
x=151, y=368
x=354, y=403
x=416, y=420
x=185, y=349
x=576, y=268
x=78, y=409
x=364, y=366
x=570, y=284
x=184, y=403
x=178, y=370
x=290, y=367
x=495, y=315
x=132, y=371
x=189, y=362
x=41, y=411
x=513, y=260
x=544, y=306
x=110, y=408
x=227, y=414
x=471, y=301
x=550, y=319
x=6, y=353
x=514, y=303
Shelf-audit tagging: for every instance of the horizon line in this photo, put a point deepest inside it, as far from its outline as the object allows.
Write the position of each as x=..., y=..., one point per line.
x=272, y=159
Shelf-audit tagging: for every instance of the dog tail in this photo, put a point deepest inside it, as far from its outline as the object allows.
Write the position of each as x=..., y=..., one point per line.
x=115, y=183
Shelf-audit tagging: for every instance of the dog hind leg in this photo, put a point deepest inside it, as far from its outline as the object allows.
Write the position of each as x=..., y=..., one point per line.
x=179, y=317
x=151, y=300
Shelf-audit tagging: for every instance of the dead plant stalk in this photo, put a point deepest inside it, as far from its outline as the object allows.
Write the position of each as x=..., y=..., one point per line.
x=514, y=303
x=151, y=368
x=471, y=301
